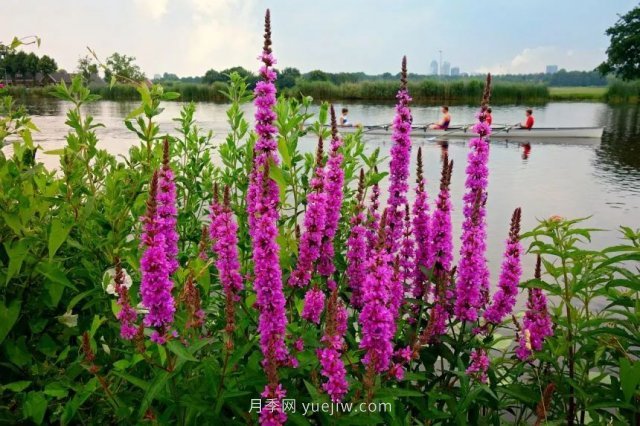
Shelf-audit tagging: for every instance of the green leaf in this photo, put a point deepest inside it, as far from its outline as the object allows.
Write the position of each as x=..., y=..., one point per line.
x=35, y=407
x=16, y=386
x=8, y=317
x=179, y=349
x=57, y=236
x=156, y=386
x=16, y=252
x=56, y=390
x=629, y=378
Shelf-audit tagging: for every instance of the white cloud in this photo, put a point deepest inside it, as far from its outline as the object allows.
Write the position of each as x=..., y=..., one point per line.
x=224, y=32
x=535, y=59
x=156, y=9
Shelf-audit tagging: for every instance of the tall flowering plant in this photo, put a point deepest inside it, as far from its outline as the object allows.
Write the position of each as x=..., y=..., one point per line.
x=156, y=268
x=333, y=186
x=262, y=205
x=472, y=286
x=399, y=165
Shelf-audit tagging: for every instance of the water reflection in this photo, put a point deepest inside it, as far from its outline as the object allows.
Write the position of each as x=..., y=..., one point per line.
x=617, y=159
x=526, y=150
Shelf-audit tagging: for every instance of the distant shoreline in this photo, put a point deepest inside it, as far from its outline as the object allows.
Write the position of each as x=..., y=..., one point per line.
x=424, y=92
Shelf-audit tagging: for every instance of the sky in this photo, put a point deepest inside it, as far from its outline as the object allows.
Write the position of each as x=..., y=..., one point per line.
x=188, y=37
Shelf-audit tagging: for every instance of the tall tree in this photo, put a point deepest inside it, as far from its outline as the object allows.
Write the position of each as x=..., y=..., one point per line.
x=87, y=67
x=623, y=54
x=47, y=65
x=123, y=68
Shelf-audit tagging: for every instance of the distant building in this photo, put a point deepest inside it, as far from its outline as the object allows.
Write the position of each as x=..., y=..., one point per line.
x=455, y=71
x=434, y=67
x=446, y=68
x=552, y=69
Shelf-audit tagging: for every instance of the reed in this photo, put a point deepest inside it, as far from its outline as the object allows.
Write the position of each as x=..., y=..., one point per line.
x=425, y=91
x=623, y=91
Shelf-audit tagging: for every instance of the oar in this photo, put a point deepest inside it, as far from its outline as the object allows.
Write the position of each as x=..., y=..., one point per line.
x=375, y=127
x=506, y=128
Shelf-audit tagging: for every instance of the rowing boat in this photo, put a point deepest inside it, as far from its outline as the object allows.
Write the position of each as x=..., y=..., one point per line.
x=498, y=132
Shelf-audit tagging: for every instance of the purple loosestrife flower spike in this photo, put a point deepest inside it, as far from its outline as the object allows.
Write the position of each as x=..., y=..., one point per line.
x=399, y=166
x=479, y=365
x=505, y=298
x=421, y=232
x=127, y=315
x=407, y=252
x=223, y=232
x=334, y=181
x=373, y=215
x=156, y=284
x=167, y=209
x=441, y=247
x=472, y=287
x=537, y=323
x=262, y=206
x=315, y=217
x=357, y=248
x=376, y=317
x=333, y=368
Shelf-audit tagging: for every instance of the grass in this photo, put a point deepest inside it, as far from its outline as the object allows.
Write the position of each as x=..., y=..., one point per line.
x=578, y=93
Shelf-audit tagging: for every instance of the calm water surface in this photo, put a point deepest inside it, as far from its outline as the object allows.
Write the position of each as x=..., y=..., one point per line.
x=584, y=177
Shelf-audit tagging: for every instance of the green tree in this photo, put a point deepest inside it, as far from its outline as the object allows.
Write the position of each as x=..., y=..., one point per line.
x=87, y=67
x=211, y=76
x=123, y=68
x=287, y=77
x=624, y=50
x=47, y=65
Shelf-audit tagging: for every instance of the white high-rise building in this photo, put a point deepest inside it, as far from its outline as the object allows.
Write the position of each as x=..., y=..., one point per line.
x=446, y=68
x=455, y=71
x=434, y=67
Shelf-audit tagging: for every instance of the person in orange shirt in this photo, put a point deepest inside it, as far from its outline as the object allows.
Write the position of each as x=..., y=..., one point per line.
x=529, y=120
x=488, y=118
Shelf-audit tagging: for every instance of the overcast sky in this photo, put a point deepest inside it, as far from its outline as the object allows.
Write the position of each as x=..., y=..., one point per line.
x=188, y=37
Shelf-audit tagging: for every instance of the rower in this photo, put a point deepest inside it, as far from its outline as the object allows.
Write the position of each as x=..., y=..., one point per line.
x=528, y=122
x=344, y=120
x=444, y=122
x=488, y=118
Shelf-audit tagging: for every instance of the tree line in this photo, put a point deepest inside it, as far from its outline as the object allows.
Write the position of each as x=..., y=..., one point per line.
x=15, y=64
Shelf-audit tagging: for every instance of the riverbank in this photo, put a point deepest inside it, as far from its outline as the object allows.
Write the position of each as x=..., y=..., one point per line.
x=456, y=92
x=578, y=93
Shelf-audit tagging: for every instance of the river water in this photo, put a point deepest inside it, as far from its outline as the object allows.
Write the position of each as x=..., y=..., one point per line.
x=579, y=178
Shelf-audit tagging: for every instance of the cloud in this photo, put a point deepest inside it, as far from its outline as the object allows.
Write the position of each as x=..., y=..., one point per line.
x=156, y=9
x=223, y=32
x=531, y=60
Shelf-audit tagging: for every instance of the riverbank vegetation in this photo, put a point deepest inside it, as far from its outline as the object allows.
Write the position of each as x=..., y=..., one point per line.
x=238, y=280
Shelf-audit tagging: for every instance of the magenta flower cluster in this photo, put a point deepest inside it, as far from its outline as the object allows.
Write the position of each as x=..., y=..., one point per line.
x=223, y=232
x=479, y=365
x=472, y=284
x=399, y=165
x=127, y=314
x=315, y=222
x=313, y=305
x=357, y=250
x=537, y=323
x=377, y=318
x=334, y=181
x=332, y=366
x=156, y=267
x=505, y=298
x=421, y=233
x=168, y=210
